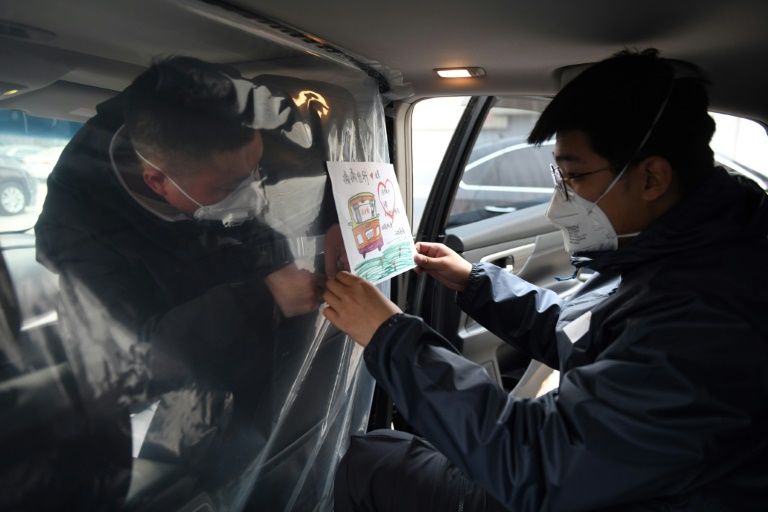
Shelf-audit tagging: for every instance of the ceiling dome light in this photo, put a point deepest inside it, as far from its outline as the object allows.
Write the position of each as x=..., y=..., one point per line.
x=10, y=89
x=473, y=72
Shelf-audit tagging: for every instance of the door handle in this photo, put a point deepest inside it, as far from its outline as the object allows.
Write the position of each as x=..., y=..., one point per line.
x=511, y=260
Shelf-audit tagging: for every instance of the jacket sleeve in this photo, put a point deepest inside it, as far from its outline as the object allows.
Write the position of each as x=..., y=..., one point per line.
x=117, y=319
x=633, y=425
x=520, y=313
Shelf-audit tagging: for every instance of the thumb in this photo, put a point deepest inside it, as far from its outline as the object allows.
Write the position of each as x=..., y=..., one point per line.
x=427, y=263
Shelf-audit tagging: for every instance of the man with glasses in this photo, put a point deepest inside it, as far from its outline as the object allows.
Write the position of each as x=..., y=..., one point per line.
x=663, y=353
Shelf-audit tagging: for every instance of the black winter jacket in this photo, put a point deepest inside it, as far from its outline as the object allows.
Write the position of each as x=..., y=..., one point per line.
x=180, y=286
x=663, y=397
x=153, y=309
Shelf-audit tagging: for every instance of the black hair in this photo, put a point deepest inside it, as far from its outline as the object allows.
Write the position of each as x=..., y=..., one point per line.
x=616, y=101
x=185, y=108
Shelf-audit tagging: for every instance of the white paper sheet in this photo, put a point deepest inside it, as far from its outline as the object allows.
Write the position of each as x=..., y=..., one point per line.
x=374, y=226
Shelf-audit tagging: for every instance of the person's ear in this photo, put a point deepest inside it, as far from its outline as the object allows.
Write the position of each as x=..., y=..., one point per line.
x=658, y=177
x=155, y=180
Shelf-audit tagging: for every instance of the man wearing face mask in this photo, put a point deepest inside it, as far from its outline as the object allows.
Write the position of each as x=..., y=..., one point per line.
x=663, y=353
x=173, y=286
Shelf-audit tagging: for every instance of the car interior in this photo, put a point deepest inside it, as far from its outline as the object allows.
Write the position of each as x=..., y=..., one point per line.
x=360, y=75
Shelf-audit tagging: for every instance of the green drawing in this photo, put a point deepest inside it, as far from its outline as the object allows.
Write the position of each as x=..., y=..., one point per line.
x=394, y=259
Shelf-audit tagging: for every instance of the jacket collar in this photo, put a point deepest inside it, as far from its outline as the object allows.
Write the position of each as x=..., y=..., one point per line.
x=724, y=209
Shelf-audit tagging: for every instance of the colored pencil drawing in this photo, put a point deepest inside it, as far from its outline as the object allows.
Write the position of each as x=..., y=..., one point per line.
x=375, y=229
x=366, y=228
x=395, y=259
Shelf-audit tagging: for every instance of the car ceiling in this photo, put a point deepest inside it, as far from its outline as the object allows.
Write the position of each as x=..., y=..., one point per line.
x=522, y=45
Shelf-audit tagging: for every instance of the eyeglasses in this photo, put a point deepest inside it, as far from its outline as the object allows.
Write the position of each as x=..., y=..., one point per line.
x=561, y=180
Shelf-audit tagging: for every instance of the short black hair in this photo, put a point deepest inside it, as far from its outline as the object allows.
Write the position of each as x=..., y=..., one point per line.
x=616, y=101
x=185, y=108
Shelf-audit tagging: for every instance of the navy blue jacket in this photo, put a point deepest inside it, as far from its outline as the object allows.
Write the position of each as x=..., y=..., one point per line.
x=663, y=397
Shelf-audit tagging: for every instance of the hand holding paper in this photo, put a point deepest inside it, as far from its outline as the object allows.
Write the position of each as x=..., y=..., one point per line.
x=443, y=264
x=356, y=306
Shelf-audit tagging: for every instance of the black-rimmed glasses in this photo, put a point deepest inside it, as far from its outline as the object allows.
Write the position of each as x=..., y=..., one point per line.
x=561, y=181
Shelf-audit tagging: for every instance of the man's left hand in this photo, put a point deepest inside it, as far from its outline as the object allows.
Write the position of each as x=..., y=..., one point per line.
x=356, y=306
x=295, y=290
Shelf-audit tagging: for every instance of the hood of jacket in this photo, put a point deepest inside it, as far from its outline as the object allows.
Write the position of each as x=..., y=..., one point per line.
x=724, y=210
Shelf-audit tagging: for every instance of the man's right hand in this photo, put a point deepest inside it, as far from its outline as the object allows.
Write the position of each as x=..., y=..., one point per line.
x=443, y=264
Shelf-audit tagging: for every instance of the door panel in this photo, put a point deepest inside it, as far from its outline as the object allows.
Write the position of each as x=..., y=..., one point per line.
x=525, y=244
x=522, y=241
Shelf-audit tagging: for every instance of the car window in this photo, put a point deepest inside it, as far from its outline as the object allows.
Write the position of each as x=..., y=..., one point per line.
x=30, y=146
x=740, y=145
x=503, y=172
x=432, y=126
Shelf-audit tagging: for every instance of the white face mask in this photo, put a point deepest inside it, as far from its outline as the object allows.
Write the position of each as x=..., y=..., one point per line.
x=584, y=225
x=246, y=202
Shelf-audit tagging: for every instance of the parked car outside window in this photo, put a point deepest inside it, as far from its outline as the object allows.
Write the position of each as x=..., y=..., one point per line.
x=18, y=189
x=30, y=146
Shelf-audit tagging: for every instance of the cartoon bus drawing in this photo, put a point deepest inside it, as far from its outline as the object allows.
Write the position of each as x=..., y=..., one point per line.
x=366, y=229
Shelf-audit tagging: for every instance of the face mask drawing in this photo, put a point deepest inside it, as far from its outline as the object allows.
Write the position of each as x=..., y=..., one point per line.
x=246, y=202
x=584, y=225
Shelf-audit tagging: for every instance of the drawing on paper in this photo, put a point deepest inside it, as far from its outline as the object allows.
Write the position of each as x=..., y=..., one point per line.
x=366, y=228
x=375, y=229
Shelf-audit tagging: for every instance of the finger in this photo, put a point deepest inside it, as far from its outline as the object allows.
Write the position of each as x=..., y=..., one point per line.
x=338, y=290
x=424, y=247
x=332, y=315
x=433, y=250
x=347, y=278
x=331, y=298
x=442, y=251
x=358, y=283
x=428, y=263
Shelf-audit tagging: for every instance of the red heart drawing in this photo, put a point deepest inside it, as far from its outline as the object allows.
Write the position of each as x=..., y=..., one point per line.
x=386, y=193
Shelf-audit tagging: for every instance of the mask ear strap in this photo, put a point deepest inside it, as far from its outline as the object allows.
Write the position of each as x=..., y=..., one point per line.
x=157, y=168
x=655, y=121
x=147, y=161
x=614, y=182
x=642, y=142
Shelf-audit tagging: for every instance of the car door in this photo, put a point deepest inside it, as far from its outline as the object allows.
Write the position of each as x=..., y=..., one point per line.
x=488, y=203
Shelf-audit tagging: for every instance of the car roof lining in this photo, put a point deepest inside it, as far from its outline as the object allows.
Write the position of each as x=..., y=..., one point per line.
x=523, y=47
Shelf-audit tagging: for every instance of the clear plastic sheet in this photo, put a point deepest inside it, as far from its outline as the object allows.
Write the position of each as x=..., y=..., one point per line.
x=154, y=360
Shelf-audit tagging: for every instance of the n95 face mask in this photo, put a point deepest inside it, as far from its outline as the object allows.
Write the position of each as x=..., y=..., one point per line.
x=585, y=226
